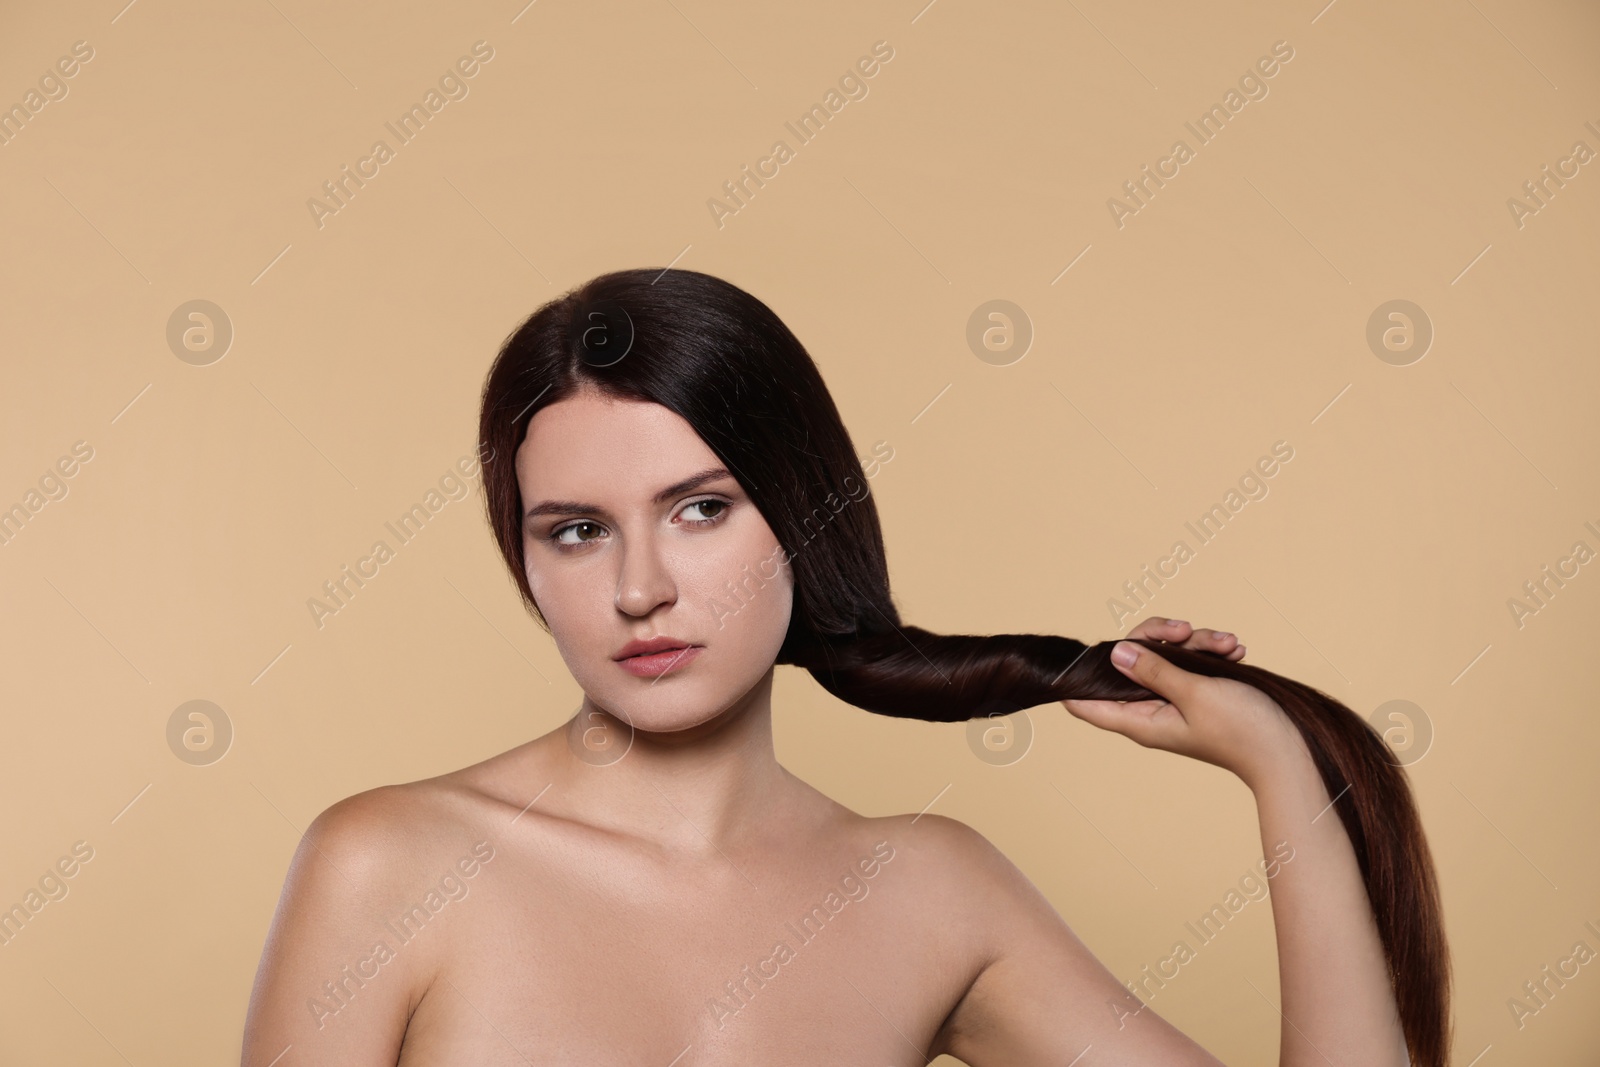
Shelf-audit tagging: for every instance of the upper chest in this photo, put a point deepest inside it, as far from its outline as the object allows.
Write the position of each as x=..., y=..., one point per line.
x=841, y=949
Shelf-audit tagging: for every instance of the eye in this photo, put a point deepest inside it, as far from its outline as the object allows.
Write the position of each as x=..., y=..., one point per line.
x=558, y=533
x=561, y=541
x=716, y=516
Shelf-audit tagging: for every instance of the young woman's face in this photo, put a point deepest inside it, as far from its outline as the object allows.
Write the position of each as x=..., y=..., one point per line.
x=627, y=538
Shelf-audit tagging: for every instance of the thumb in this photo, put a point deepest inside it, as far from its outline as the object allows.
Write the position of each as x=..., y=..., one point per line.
x=1153, y=671
x=1113, y=715
x=1136, y=721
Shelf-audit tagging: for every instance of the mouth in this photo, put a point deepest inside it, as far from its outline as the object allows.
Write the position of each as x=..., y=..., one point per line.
x=655, y=664
x=650, y=646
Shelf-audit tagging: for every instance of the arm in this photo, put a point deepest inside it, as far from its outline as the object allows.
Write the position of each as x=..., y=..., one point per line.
x=1041, y=998
x=1338, y=1004
x=310, y=997
x=1044, y=999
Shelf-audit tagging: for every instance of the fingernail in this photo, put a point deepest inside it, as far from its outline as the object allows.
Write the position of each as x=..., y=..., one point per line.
x=1123, y=654
x=1177, y=622
x=1224, y=633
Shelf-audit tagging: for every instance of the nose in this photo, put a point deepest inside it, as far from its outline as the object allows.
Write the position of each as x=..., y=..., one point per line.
x=645, y=581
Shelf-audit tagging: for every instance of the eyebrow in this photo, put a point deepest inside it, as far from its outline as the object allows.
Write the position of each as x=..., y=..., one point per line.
x=567, y=507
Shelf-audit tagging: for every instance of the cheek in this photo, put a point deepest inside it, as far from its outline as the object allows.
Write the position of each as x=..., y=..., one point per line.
x=573, y=600
x=710, y=573
x=736, y=589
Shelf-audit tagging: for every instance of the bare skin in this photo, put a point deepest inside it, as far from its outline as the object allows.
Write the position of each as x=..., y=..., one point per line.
x=667, y=893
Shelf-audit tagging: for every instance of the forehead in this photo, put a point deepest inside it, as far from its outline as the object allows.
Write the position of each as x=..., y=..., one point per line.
x=597, y=443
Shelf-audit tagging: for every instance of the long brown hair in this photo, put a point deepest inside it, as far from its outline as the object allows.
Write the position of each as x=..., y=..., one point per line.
x=724, y=362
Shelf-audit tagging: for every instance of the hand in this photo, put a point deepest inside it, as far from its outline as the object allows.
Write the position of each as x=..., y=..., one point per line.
x=1216, y=720
x=1221, y=642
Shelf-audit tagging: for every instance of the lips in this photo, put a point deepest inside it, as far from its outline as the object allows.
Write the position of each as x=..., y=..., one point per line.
x=654, y=665
x=650, y=647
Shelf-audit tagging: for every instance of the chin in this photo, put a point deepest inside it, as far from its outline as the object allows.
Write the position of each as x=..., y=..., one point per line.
x=670, y=705
x=656, y=716
x=672, y=724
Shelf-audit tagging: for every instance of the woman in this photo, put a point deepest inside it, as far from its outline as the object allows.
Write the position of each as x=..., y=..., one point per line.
x=682, y=509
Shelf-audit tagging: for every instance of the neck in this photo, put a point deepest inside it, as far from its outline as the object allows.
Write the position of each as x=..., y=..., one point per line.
x=689, y=790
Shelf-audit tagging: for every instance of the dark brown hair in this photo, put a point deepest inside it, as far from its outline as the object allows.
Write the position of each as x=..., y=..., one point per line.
x=720, y=359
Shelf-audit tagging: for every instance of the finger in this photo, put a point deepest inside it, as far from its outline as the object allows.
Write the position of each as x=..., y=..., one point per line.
x=1236, y=655
x=1159, y=629
x=1153, y=672
x=1133, y=719
x=1093, y=711
x=1218, y=641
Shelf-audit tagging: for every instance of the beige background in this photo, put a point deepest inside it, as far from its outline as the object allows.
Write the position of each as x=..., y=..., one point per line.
x=1228, y=314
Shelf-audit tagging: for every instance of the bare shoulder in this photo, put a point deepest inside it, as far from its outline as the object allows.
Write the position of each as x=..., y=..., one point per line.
x=403, y=823
x=971, y=859
x=388, y=825
x=1036, y=993
x=1001, y=899
x=358, y=870
x=979, y=897
x=380, y=847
